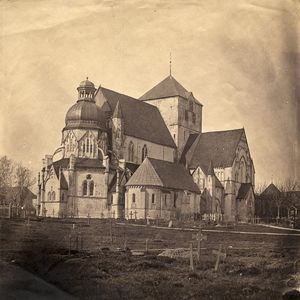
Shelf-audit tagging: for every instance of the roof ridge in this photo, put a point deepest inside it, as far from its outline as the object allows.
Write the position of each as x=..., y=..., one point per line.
x=128, y=97
x=228, y=130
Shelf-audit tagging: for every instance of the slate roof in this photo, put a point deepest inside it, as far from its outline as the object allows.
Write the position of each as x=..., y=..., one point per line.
x=79, y=163
x=129, y=168
x=270, y=190
x=243, y=190
x=63, y=182
x=219, y=184
x=218, y=146
x=169, y=87
x=160, y=173
x=141, y=120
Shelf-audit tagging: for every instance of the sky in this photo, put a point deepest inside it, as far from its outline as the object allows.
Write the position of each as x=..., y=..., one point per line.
x=241, y=60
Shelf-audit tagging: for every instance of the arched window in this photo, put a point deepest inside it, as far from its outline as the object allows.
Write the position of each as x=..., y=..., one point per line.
x=91, y=148
x=133, y=198
x=87, y=145
x=91, y=188
x=62, y=197
x=53, y=196
x=83, y=148
x=144, y=152
x=84, y=188
x=131, y=151
x=153, y=198
x=49, y=196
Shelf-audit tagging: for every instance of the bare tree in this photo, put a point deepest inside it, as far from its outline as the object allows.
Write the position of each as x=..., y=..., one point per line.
x=23, y=180
x=260, y=187
x=288, y=189
x=6, y=176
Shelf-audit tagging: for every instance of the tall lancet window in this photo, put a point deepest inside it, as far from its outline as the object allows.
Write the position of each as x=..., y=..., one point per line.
x=84, y=188
x=144, y=152
x=131, y=151
x=91, y=188
x=87, y=145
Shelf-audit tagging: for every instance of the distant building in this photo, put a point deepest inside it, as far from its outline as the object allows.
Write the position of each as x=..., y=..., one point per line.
x=106, y=140
x=273, y=203
x=21, y=201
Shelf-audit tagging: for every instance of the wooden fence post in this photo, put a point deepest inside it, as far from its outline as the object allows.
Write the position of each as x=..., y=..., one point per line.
x=191, y=258
x=70, y=239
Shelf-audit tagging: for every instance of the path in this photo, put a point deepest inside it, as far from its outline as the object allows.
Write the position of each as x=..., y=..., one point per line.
x=16, y=283
x=214, y=230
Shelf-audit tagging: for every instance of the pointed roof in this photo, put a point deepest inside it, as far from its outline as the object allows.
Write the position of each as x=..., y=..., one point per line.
x=169, y=87
x=271, y=190
x=118, y=111
x=218, y=146
x=141, y=120
x=160, y=173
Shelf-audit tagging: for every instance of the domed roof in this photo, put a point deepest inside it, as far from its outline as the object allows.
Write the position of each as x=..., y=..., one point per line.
x=86, y=83
x=85, y=114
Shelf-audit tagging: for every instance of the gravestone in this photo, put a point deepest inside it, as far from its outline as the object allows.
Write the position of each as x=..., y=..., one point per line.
x=219, y=254
x=170, y=225
x=199, y=237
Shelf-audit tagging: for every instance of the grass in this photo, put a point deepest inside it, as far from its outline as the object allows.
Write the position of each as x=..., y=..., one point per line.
x=256, y=267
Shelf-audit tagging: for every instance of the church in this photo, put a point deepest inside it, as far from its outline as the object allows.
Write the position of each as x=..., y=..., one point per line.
x=145, y=158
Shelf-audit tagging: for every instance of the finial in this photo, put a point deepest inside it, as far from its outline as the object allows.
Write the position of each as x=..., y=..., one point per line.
x=170, y=64
x=87, y=78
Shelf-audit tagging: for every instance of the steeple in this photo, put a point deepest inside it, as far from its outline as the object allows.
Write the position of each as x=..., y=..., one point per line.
x=86, y=90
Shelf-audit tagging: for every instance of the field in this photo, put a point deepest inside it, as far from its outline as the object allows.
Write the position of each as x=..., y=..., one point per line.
x=92, y=259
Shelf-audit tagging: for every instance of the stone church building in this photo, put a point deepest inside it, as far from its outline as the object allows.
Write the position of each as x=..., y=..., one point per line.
x=122, y=157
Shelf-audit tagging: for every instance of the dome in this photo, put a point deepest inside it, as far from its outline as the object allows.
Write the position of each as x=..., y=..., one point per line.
x=85, y=114
x=86, y=83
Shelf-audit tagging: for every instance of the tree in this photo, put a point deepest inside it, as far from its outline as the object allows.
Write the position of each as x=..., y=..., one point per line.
x=23, y=180
x=6, y=176
x=289, y=188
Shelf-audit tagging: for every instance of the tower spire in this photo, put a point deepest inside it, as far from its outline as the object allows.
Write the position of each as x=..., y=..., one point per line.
x=170, y=64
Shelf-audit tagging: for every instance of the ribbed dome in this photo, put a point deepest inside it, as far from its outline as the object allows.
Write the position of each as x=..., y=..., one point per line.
x=86, y=83
x=85, y=114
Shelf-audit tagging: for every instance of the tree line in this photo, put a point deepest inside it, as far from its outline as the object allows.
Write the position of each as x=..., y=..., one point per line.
x=15, y=180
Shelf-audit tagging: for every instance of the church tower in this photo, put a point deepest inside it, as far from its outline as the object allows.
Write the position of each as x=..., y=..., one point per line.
x=85, y=123
x=181, y=111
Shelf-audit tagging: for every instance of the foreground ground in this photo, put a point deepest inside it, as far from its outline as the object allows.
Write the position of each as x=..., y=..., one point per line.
x=88, y=261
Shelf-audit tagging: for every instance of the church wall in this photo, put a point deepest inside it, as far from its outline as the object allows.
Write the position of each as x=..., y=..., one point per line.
x=164, y=206
x=180, y=118
x=95, y=205
x=245, y=208
x=52, y=207
x=154, y=150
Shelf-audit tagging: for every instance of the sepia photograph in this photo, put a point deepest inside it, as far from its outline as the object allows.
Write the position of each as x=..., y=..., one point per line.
x=149, y=149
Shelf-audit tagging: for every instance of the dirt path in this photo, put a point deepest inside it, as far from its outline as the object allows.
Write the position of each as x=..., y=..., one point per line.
x=16, y=283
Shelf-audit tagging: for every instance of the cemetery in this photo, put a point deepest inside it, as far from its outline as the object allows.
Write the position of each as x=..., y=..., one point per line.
x=117, y=259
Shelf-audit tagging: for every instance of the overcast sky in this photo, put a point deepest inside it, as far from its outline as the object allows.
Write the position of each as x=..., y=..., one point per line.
x=239, y=58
